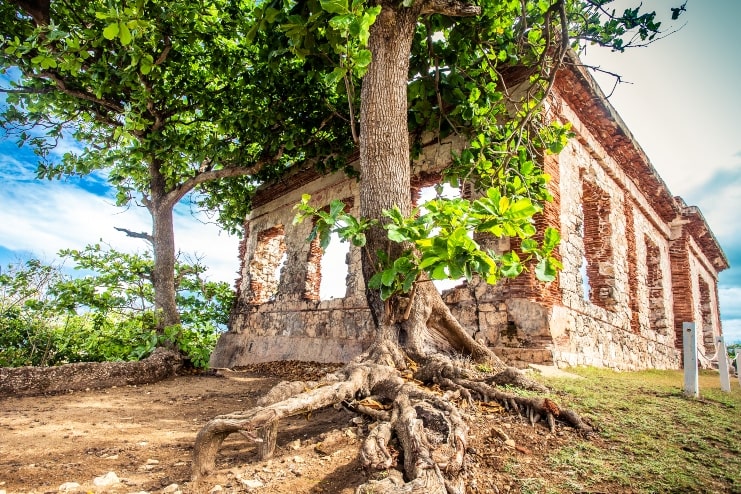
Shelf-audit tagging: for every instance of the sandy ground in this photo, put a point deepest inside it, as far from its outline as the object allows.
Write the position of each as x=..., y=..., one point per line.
x=144, y=435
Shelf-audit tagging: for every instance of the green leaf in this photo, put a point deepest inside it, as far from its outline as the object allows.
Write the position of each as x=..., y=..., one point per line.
x=375, y=282
x=145, y=64
x=523, y=208
x=334, y=77
x=545, y=270
x=336, y=207
x=395, y=234
x=388, y=276
x=111, y=31
x=363, y=58
x=343, y=23
x=428, y=261
x=439, y=273
x=551, y=238
x=335, y=6
x=124, y=34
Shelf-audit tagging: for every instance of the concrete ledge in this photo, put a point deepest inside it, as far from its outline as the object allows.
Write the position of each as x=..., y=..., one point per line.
x=238, y=349
x=523, y=357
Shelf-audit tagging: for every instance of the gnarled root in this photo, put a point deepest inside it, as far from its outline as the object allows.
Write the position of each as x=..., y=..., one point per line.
x=428, y=425
x=353, y=379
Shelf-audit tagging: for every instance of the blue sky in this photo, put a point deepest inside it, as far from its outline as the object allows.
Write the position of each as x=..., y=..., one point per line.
x=682, y=102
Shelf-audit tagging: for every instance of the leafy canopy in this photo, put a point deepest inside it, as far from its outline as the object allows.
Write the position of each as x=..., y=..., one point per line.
x=166, y=96
x=485, y=79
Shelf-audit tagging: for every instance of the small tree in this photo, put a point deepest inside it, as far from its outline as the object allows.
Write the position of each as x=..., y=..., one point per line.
x=27, y=313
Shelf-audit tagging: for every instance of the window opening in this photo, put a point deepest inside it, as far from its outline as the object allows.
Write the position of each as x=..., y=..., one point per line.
x=598, y=246
x=426, y=194
x=267, y=263
x=583, y=275
x=326, y=272
x=334, y=269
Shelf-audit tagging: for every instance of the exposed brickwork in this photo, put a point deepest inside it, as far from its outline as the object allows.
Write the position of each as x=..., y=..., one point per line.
x=313, y=271
x=271, y=247
x=652, y=262
x=630, y=237
x=598, y=246
x=583, y=94
x=681, y=285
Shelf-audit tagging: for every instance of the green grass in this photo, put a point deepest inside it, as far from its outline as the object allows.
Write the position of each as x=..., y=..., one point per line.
x=651, y=439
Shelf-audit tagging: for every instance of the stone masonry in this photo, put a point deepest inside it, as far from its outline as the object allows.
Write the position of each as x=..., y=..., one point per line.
x=638, y=262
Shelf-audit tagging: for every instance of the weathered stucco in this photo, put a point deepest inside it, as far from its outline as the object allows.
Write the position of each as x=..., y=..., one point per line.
x=637, y=263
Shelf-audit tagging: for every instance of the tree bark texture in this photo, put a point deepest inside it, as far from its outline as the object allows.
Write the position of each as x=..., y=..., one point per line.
x=163, y=239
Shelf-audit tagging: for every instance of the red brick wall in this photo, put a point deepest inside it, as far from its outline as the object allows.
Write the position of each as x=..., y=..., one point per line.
x=633, y=301
x=598, y=245
x=682, y=286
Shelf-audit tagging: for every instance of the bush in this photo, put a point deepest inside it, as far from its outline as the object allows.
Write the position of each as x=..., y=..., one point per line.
x=48, y=318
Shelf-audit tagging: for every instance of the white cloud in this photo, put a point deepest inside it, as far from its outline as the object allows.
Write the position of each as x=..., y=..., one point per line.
x=719, y=204
x=732, y=331
x=43, y=217
x=730, y=302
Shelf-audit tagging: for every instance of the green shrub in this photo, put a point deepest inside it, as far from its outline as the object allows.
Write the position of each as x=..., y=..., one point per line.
x=48, y=318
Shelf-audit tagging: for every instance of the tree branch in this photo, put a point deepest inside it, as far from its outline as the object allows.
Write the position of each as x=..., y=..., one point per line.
x=141, y=235
x=236, y=171
x=452, y=8
x=51, y=76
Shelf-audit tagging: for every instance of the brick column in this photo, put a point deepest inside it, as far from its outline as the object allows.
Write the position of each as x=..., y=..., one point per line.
x=681, y=286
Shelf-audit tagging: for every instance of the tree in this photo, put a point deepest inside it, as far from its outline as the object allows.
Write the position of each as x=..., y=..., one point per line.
x=444, y=66
x=166, y=99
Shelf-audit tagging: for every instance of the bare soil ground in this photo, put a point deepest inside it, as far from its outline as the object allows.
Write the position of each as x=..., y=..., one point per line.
x=145, y=434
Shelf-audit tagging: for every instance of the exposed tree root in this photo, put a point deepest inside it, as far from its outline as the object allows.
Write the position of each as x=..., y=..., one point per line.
x=424, y=423
x=411, y=386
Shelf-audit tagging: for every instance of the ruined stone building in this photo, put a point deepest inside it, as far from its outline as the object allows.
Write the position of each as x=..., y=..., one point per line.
x=637, y=263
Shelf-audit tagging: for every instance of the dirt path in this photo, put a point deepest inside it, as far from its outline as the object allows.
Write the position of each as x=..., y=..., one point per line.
x=144, y=434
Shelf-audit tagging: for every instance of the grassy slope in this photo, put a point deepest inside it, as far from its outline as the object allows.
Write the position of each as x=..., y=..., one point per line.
x=651, y=438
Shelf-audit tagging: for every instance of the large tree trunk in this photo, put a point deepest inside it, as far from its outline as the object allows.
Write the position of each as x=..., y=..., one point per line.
x=163, y=276
x=385, y=176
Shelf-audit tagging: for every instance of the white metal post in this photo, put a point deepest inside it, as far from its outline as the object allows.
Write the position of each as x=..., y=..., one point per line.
x=691, y=382
x=725, y=377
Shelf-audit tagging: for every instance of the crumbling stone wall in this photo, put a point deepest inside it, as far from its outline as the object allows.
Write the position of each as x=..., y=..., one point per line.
x=288, y=321
x=637, y=262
